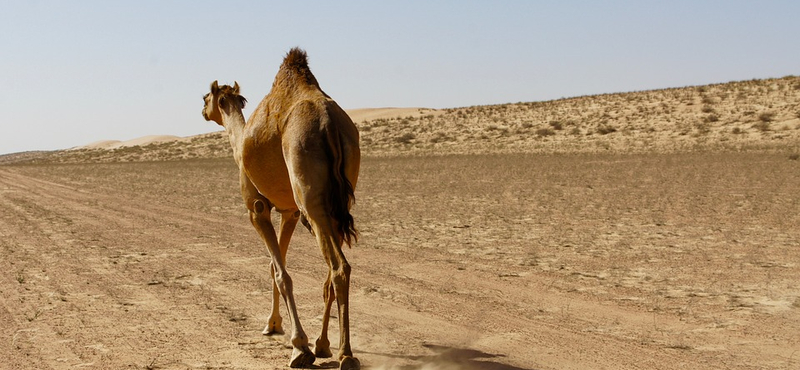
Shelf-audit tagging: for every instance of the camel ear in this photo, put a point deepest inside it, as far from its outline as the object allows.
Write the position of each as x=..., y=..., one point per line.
x=214, y=87
x=236, y=87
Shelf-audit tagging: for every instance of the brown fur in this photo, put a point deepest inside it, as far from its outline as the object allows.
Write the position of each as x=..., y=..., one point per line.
x=294, y=77
x=298, y=154
x=228, y=95
x=294, y=70
x=342, y=193
x=224, y=95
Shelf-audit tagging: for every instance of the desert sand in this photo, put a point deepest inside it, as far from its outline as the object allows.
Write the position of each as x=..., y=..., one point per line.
x=642, y=247
x=141, y=141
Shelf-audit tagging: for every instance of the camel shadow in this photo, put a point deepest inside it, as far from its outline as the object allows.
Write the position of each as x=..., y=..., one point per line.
x=453, y=358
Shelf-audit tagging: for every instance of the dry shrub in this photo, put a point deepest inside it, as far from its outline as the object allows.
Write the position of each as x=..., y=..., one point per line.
x=762, y=126
x=766, y=117
x=606, y=129
x=542, y=132
x=405, y=138
x=702, y=128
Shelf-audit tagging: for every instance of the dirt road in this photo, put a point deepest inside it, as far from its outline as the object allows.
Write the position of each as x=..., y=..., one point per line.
x=464, y=262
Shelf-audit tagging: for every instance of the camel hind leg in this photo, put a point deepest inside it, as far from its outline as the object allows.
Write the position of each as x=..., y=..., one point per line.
x=337, y=288
x=337, y=285
x=308, y=161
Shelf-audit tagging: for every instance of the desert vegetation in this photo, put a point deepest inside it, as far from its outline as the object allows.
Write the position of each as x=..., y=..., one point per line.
x=754, y=115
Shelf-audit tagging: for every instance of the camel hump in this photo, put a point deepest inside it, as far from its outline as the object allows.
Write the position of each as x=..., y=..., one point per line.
x=296, y=59
x=294, y=72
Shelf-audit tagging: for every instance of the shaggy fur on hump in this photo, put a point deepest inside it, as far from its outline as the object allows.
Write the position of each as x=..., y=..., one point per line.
x=295, y=66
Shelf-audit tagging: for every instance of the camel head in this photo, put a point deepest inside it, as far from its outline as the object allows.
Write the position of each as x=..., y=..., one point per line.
x=222, y=100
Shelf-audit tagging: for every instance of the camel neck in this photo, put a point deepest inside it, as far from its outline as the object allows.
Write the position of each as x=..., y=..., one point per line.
x=234, y=126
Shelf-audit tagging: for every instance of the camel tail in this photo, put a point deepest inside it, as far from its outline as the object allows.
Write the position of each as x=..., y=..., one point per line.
x=342, y=195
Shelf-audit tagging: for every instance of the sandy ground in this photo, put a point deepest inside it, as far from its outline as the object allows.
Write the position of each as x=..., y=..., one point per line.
x=465, y=262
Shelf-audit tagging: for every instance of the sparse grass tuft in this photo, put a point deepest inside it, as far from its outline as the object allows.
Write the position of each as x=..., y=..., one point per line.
x=34, y=316
x=405, y=138
x=702, y=128
x=542, y=132
x=606, y=129
x=766, y=117
x=762, y=126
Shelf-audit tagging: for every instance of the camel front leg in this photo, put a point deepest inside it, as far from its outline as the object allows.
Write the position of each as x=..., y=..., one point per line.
x=260, y=217
x=275, y=323
x=288, y=223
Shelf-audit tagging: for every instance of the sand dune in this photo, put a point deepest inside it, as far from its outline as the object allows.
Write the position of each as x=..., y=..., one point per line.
x=368, y=114
x=357, y=115
x=141, y=141
x=102, y=144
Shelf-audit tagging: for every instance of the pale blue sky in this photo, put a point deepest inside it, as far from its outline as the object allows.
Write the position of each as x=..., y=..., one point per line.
x=75, y=72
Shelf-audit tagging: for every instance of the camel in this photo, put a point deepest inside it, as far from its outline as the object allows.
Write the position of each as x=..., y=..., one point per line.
x=298, y=154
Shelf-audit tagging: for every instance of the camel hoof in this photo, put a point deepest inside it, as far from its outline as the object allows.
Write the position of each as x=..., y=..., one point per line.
x=272, y=330
x=302, y=357
x=349, y=363
x=323, y=352
x=322, y=349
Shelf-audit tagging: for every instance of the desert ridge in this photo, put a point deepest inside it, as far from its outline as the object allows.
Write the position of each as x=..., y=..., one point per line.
x=740, y=116
x=369, y=114
x=140, y=141
x=357, y=115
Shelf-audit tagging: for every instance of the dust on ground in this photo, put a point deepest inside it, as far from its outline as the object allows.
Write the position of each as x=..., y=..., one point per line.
x=504, y=262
